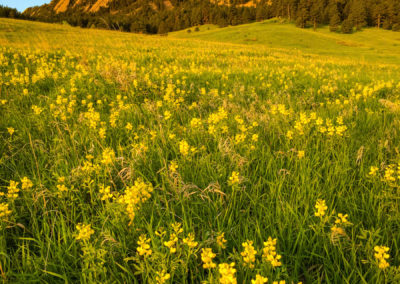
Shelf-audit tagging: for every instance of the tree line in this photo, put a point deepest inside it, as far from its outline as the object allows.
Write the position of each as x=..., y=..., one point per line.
x=160, y=16
x=7, y=12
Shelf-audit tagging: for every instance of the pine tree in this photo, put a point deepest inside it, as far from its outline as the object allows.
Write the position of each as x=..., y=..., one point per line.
x=303, y=14
x=162, y=28
x=358, y=14
x=316, y=9
x=334, y=18
x=261, y=12
x=378, y=12
x=347, y=26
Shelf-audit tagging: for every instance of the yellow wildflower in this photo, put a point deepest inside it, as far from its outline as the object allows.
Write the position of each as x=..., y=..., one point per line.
x=37, y=110
x=184, y=148
x=321, y=208
x=177, y=227
x=84, y=232
x=249, y=254
x=227, y=273
x=128, y=126
x=342, y=219
x=167, y=114
x=173, y=166
x=195, y=123
x=207, y=257
x=26, y=183
x=108, y=156
x=4, y=211
x=134, y=196
x=269, y=253
x=189, y=241
x=221, y=240
x=373, y=170
x=171, y=244
x=234, y=179
x=13, y=190
x=102, y=132
x=62, y=188
x=259, y=280
x=10, y=130
x=162, y=277
x=381, y=256
x=105, y=192
x=144, y=247
x=289, y=135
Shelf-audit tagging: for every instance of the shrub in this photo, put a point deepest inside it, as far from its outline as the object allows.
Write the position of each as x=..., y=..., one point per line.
x=347, y=26
x=396, y=27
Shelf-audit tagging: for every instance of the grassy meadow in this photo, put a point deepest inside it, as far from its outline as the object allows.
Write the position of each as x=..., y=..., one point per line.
x=233, y=155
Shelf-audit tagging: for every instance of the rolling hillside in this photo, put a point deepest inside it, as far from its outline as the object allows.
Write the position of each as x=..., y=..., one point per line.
x=370, y=44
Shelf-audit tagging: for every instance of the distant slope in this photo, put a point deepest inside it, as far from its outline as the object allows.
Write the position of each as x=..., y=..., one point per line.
x=370, y=44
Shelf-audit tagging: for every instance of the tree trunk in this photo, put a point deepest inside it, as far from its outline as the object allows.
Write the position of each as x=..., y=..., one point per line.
x=379, y=21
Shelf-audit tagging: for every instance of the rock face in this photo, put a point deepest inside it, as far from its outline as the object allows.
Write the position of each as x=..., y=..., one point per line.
x=61, y=6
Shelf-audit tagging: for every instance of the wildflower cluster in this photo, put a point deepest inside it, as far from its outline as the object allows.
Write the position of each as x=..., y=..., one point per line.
x=134, y=196
x=84, y=232
x=269, y=253
x=389, y=174
x=207, y=257
x=143, y=246
x=249, y=254
x=320, y=207
x=227, y=273
x=381, y=255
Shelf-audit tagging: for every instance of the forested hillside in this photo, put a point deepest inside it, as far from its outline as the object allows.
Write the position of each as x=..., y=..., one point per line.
x=162, y=16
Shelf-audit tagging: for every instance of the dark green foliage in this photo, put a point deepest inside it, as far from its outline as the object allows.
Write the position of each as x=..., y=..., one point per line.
x=358, y=13
x=334, y=18
x=303, y=14
x=347, y=26
x=6, y=12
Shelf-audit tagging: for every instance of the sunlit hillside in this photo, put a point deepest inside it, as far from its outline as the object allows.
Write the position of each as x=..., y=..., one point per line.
x=370, y=44
x=246, y=154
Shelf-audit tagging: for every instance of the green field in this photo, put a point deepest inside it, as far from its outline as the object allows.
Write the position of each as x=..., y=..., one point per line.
x=370, y=45
x=227, y=155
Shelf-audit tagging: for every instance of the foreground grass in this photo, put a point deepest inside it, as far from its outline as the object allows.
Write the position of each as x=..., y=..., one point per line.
x=125, y=158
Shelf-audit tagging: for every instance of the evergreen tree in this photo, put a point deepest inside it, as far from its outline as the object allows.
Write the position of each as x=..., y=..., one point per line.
x=358, y=14
x=261, y=12
x=162, y=28
x=303, y=14
x=378, y=13
x=347, y=26
x=334, y=18
x=316, y=10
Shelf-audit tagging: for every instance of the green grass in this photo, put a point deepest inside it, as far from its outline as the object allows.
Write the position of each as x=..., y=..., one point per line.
x=93, y=109
x=370, y=44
